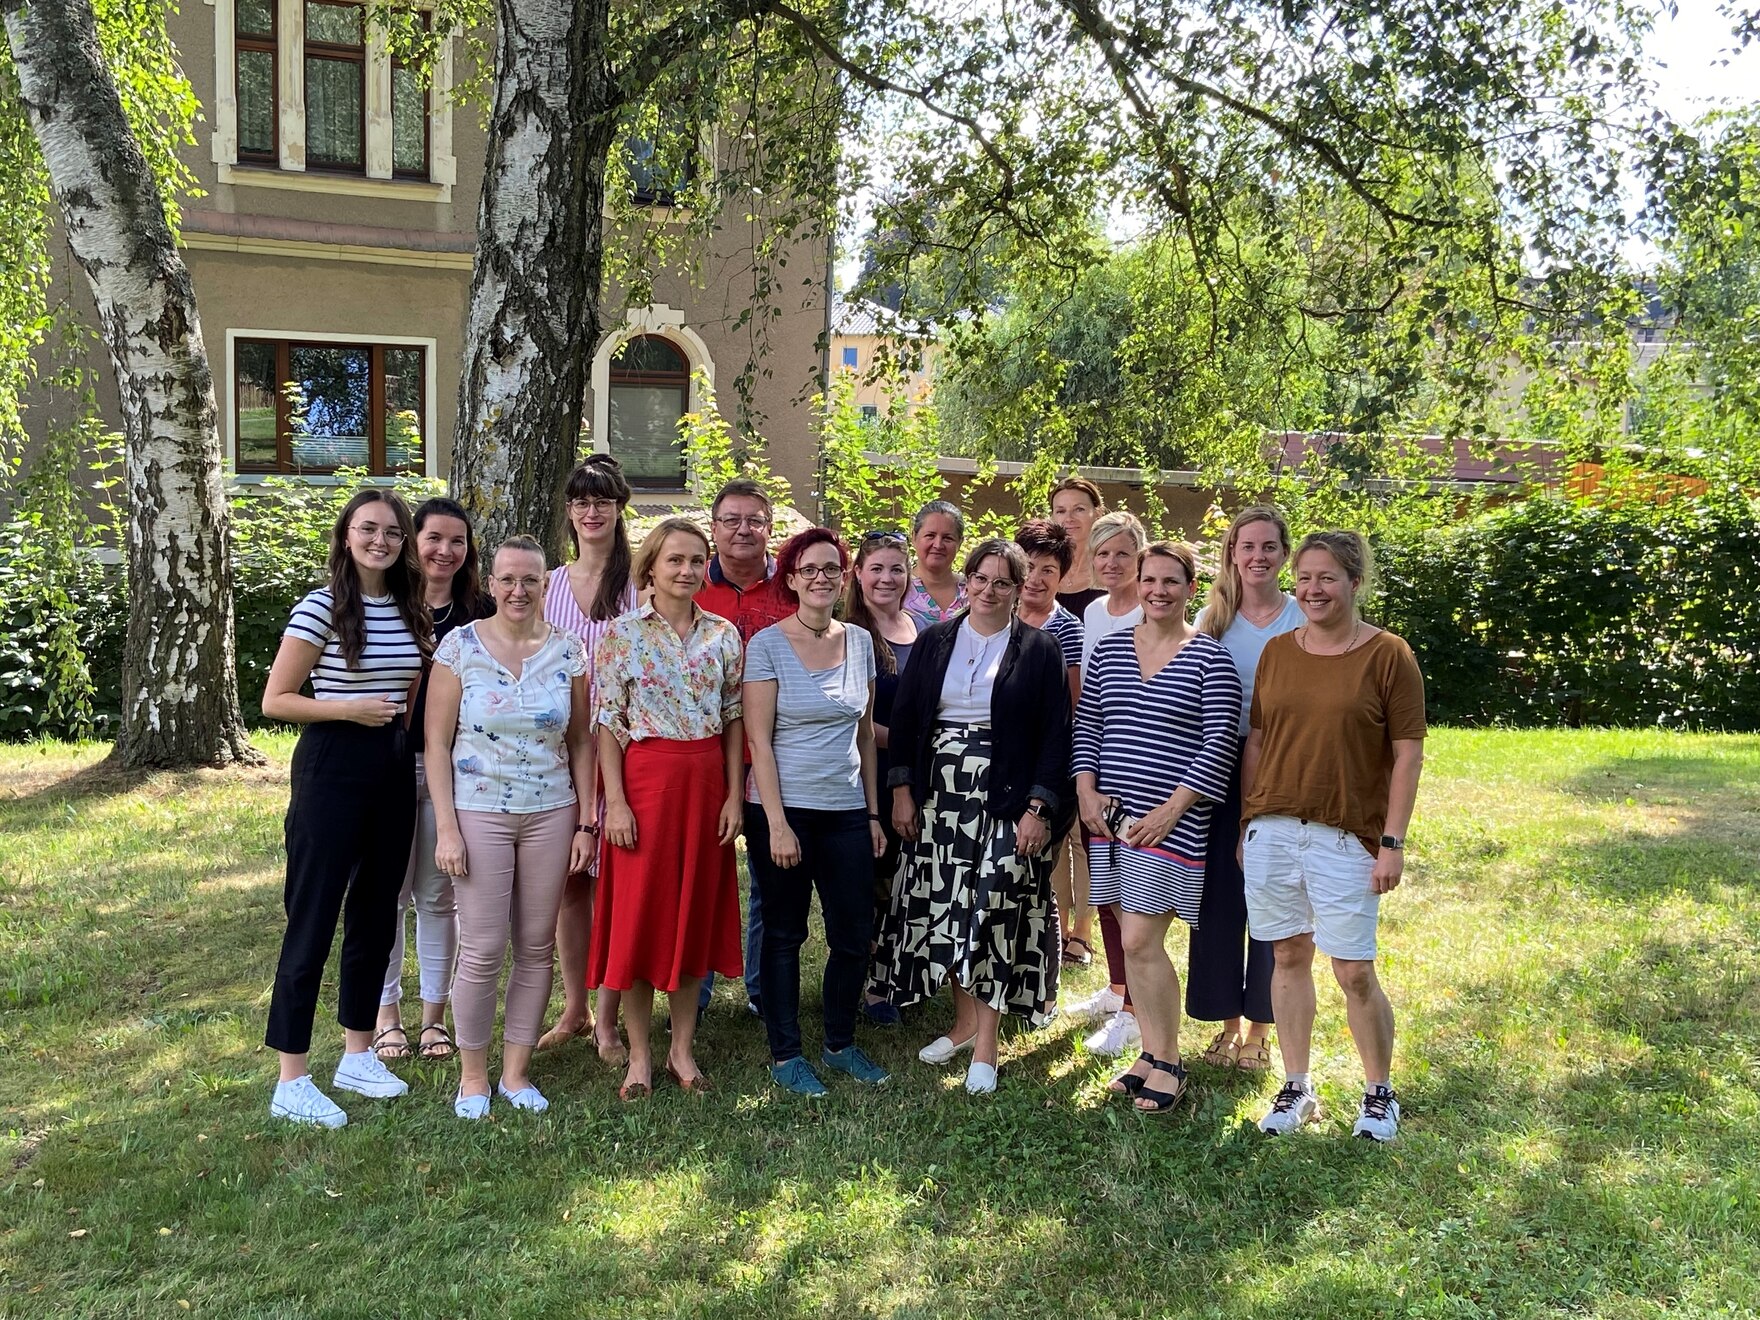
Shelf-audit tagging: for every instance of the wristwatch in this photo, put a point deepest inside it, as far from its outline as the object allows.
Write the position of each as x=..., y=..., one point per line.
x=1039, y=809
x=1394, y=841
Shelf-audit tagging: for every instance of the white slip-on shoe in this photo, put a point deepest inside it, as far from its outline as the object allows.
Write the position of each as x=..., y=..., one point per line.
x=1294, y=1106
x=300, y=1101
x=943, y=1048
x=472, y=1107
x=527, y=1097
x=364, y=1074
x=1378, y=1115
x=980, y=1078
x=1118, y=1035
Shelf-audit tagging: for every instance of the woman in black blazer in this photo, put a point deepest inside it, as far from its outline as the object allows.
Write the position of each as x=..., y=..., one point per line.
x=980, y=751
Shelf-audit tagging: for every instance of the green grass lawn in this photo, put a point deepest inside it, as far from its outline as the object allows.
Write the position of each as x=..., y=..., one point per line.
x=1575, y=961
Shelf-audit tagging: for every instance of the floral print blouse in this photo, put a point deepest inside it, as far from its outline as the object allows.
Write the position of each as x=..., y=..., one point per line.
x=649, y=682
x=510, y=753
x=921, y=606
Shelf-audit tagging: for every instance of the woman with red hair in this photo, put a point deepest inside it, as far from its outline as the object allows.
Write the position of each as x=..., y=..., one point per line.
x=811, y=816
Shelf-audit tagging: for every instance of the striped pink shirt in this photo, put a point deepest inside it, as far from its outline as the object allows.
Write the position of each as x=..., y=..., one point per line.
x=562, y=610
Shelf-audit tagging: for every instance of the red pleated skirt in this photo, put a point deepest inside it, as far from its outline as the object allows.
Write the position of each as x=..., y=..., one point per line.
x=669, y=907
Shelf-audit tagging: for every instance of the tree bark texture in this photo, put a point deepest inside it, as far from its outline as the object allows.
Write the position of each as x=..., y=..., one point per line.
x=179, y=685
x=534, y=311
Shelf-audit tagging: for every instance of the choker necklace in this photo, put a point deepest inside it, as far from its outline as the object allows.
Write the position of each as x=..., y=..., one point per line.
x=817, y=632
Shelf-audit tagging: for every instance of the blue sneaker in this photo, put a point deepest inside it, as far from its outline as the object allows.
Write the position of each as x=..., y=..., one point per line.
x=853, y=1062
x=881, y=1014
x=797, y=1076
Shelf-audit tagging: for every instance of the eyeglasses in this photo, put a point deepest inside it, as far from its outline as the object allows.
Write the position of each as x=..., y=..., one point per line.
x=830, y=572
x=893, y=537
x=733, y=522
x=525, y=584
x=977, y=582
x=600, y=507
x=372, y=531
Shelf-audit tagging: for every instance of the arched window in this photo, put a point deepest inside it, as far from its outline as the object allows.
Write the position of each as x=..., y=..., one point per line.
x=650, y=391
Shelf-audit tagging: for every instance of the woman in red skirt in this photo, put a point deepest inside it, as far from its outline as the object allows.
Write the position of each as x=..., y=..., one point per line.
x=672, y=767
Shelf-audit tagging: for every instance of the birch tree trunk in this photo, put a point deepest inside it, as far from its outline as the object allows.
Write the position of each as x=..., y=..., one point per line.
x=534, y=311
x=179, y=684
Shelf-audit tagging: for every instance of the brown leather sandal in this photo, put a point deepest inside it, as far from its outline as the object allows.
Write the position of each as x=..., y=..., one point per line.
x=1224, y=1051
x=1255, y=1056
x=392, y=1049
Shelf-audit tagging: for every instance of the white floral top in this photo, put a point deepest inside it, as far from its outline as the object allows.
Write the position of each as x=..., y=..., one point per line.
x=648, y=682
x=510, y=753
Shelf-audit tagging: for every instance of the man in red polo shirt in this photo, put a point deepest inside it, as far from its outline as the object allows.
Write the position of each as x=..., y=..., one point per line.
x=741, y=587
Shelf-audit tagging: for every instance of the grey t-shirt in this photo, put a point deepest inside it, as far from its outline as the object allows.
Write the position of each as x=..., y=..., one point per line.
x=817, y=713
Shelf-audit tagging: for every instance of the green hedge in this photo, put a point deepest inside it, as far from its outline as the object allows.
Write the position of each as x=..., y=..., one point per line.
x=1554, y=612
x=1544, y=612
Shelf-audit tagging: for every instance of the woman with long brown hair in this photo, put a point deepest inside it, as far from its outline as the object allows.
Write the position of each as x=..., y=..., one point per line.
x=583, y=597
x=874, y=601
x=453, y=589
x=362, y=641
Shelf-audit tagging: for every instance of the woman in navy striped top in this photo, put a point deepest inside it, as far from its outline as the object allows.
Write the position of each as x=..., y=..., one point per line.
x=1154, y=744
x=362, y=641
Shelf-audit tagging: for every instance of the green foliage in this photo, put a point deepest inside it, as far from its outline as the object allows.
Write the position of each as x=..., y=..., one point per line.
x=1634, y=609
x=864, y=493
x=64, y=615
x=714, y=456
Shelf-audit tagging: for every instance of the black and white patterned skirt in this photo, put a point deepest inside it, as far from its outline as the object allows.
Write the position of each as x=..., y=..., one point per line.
x=965, y=906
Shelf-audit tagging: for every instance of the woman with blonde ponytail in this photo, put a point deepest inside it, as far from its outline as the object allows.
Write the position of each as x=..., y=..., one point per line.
x=1247, y=608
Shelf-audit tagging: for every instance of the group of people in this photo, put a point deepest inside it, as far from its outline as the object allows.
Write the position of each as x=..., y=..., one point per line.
x=971, y=760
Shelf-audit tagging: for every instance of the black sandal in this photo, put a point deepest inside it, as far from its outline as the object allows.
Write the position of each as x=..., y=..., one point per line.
x=437, y=1051
x=1161, y=1103
x=392, y=1050
x=1128, y=1083
x=1083, y=959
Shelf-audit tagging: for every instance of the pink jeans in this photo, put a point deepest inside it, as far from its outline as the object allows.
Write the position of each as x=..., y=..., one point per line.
x=516, y=868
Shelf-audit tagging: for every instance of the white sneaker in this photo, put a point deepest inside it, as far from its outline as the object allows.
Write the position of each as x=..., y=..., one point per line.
x=1293, y=1107
x=527, y=1097
x=472, y=1107
x=1378, y=1115
x=1097, y=1006
x=1118, y=1035
x=943, y=1048
x=300, y=1101
x=364, y=1074
x=981, y=1078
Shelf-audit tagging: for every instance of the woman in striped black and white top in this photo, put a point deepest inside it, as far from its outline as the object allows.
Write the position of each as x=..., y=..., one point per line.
x=1154, y=744
x=583, y=597
x=362, y=642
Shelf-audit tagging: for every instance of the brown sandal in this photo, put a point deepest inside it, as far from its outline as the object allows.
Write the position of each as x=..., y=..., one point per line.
x=1224, y=1051
x=392, y=1049
x=436, y=1051
x=1255, y=1056
x=616, y=1053
x=695, y=1084
x=1083, y=959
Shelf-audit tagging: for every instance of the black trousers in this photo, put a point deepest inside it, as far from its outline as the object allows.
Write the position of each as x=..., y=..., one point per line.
x=837, y=857
x=349, y=821
x=1218, y=985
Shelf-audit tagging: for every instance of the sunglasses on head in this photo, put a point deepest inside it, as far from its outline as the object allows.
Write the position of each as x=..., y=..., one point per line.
x=895, y=536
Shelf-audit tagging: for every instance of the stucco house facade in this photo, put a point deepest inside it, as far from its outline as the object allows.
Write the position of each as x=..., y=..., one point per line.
x=331, y=256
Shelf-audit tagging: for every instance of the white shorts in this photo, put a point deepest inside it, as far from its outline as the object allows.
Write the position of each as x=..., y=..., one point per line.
x=1304, y=877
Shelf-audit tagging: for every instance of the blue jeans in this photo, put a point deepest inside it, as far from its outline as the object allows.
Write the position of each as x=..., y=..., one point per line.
x=754, y=944
x=837, y=859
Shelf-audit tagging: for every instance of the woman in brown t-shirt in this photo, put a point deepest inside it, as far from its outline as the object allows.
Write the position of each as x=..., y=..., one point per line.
x=1329, y=775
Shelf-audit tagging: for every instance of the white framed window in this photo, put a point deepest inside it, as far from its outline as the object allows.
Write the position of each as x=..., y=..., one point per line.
x=308, y=96
x=644, y=378
x=307, y=403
